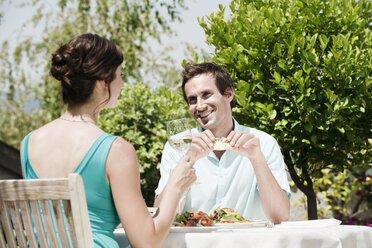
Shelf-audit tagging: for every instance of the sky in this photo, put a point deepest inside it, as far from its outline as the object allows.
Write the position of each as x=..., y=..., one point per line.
x=187, y=32
x=190, y=31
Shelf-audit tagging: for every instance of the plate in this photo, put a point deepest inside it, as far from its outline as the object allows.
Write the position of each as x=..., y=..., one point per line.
x=182, y=229
x=310, y=223
x=254, y=223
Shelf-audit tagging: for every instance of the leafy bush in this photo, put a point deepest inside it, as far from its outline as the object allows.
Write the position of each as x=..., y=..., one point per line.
x=140, y=118
x=302, y=73
x=348, y=195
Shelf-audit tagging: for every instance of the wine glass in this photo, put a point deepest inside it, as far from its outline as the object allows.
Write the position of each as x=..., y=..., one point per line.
x=179, y=134
x=179, y=137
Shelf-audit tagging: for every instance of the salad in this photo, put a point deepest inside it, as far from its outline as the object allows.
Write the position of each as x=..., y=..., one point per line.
x=227, y=215
x=193, y=219
x=199, y=218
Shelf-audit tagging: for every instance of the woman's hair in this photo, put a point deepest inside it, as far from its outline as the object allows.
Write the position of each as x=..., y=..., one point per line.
x=82, y=61
x=222, y=78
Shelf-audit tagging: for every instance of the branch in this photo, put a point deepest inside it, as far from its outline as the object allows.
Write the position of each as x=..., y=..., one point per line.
x=297, y=180
x=307, y=178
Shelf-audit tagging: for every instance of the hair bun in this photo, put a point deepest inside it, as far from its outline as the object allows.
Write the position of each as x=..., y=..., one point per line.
x=58, y=59
x=59, y=68
x=82, y=61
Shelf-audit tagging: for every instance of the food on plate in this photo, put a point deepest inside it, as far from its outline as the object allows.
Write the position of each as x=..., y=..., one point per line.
x=219, y=215
x=227, y=215
x=193, y=219
x=222, y=144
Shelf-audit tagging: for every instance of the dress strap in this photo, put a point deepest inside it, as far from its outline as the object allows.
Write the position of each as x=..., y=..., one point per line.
x=24, y=154
x=93, y=149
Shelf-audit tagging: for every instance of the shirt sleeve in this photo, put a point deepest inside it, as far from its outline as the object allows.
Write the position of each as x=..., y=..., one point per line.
x=275, y=161
x=169, y=160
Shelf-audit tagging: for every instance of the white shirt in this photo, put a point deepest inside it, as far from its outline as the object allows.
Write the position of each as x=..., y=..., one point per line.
x=228, y=182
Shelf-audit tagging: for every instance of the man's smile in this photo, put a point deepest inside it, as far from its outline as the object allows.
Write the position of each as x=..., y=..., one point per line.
x=204, y=114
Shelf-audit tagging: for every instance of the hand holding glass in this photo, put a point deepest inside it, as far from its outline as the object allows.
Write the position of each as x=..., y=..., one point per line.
x=179, y=137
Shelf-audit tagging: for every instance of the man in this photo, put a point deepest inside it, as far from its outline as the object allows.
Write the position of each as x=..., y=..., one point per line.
x=250, y=178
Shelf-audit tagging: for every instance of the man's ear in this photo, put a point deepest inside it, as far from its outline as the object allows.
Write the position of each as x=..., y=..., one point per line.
x=229, y=93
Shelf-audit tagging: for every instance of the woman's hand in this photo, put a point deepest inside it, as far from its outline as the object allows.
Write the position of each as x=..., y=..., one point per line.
x=201, y=145
x=183, y=175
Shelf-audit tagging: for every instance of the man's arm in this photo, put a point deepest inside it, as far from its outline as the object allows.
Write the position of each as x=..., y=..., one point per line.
x=274, y=199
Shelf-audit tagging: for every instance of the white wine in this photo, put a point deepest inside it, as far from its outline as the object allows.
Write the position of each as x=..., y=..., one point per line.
x=180, y=144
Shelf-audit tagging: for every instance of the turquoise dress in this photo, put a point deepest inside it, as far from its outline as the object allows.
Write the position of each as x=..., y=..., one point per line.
x=102, y=213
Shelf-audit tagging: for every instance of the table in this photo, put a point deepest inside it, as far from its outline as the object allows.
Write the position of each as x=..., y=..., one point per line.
x=280, y=236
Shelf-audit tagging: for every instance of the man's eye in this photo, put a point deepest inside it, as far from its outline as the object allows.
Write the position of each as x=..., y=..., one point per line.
x=206, y=95
x=192, y=101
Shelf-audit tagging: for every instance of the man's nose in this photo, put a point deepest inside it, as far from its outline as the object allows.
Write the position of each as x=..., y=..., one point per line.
x=200, y=104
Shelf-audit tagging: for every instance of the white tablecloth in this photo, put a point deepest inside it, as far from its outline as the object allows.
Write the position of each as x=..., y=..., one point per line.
x=280, y=236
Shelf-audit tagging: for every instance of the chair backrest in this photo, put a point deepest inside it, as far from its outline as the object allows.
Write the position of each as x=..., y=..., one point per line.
x=43, y=207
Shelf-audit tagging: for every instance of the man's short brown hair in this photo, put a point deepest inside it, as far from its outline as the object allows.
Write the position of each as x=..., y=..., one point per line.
x=222, y=78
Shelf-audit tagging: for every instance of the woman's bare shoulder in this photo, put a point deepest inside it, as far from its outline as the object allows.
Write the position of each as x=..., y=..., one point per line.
x=122, y=159
x=122, y=149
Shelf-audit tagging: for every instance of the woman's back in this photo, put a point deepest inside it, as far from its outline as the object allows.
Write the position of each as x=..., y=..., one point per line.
x=57, y=148
x=62, y=147
x=89, y=68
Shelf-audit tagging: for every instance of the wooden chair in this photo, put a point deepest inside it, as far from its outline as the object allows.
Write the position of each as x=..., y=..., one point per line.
x=36, y=206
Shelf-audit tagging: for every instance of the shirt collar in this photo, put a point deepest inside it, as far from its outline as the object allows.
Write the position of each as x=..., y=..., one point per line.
x=236, y=126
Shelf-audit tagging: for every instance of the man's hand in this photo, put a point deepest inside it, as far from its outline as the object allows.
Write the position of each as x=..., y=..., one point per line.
x=245, y=144
x=201, y=145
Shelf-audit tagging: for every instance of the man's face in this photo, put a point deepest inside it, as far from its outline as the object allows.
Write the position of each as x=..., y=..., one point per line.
x=206, y=104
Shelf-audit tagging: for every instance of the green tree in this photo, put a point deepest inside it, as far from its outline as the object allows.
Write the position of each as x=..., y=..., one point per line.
x=302, y=72
x=24, y=65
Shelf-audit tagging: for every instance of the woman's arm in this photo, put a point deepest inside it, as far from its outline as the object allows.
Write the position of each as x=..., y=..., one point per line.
x=201, y=146
x=122, y=171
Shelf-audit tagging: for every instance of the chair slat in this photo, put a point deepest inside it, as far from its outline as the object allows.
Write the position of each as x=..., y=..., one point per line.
x=17, y=223
x=37, y=215
x=38, y=222
x=48, y=221
x=70, y=222
x=27, y=223
x=2, y=238
x=60, y=223
x=32, y=189
x=81, y=218
x=5, y=220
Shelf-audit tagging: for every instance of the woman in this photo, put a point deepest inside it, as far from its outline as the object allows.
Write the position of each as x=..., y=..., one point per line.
x=89, y=69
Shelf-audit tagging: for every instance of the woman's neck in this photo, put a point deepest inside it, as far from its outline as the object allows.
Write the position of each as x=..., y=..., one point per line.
x=80, y=114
